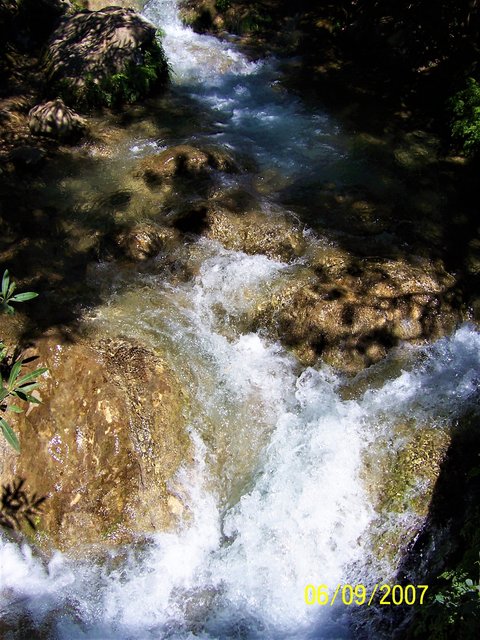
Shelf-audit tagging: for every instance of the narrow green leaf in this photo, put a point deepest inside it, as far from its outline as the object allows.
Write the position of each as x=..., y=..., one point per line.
x=26, y=397
x=27, y=387
x=23, y=297
x=14, y=408
x=9, y=434
x=32, y=399
x=11, y=289
x=3, y=394
x=31, y=376
x=15, y=370
x=5, y=283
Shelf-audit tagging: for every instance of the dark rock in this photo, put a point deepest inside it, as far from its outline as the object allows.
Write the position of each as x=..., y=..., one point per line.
x=26, y=157
x=183, y=160
x=143, y=241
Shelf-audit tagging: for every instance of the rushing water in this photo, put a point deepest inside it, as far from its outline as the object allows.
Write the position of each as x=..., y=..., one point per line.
x=277, y=493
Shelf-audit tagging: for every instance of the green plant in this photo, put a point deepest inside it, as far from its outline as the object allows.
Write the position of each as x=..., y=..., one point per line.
x=12, y=383
x=454, y=611
x=223, y=5
x=465, y=106
x=130, y=85
x=7, y=297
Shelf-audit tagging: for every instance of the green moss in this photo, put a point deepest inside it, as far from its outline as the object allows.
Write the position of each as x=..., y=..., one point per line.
x=133, y=83
x=465, y=107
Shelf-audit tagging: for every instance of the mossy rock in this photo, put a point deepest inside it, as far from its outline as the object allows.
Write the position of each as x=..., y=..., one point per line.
x=105, y=58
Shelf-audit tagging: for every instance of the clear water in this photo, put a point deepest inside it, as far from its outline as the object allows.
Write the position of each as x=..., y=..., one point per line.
x=277, y=493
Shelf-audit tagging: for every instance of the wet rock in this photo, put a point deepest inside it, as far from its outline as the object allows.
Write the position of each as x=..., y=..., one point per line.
x=104, y=444
x=25, y=157
x=96, y=5
x=400, y=474
x=143, y=241
x=56, y=120
x=104, y=57
x=255, y=232
x=351, y=315
x=183, y=161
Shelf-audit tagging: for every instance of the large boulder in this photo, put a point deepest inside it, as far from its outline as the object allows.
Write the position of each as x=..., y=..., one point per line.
x=105, y=443
x=142, y=241
x=54, y=119
x=182, y=173
x=106, y=57
x=351, y=314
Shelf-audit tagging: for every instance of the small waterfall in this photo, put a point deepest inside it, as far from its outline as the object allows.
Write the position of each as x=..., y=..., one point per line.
x=278, y=492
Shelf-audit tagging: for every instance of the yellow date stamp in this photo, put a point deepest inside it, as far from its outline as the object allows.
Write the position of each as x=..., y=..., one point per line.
x=359, y=594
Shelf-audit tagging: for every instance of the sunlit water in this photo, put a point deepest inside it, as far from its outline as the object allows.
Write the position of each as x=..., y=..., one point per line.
x=277, y=494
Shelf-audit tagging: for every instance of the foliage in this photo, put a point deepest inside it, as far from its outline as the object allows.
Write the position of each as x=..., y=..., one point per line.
x=16, y=505
x=455, y=611
x=7, y=297
x=12, y=383
x=126, y=87
x=465, y=106
x=223, y=5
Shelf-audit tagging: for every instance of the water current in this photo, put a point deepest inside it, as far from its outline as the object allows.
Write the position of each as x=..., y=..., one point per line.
x=278, y=494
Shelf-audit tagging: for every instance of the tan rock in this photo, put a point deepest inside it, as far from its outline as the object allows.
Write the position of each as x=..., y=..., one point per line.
x=104, y=443
x=56, y=120
x=183, y=160
x=255, y=232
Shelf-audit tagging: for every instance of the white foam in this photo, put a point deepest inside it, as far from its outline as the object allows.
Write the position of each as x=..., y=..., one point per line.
x=252, y=114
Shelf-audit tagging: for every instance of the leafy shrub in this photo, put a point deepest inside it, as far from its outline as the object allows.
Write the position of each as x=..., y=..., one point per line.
x=12, y=383
x=465, y=106
x=455, y=611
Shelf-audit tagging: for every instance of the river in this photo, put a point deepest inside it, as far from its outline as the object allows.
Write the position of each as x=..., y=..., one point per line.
x=280, y=492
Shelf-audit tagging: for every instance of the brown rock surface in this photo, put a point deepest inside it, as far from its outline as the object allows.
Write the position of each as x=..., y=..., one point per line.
x=183, y=160
x=87, y=49
x=104, y=444
x=351, y=315
x=255, y=232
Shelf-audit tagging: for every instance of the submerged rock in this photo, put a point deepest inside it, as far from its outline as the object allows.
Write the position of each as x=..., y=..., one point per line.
x=183, y=161
x=104, y=444
x=143, y=241
x=105, y=57
x=56, y=120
